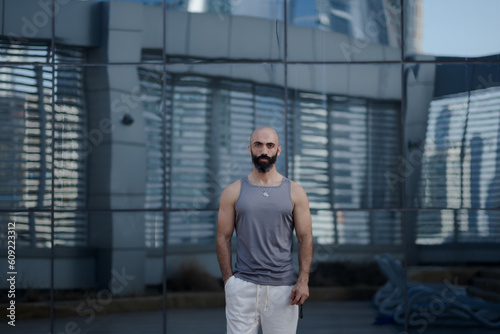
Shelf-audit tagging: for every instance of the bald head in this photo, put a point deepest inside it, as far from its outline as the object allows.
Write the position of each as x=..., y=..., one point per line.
x=264, y=149
x=267, y=133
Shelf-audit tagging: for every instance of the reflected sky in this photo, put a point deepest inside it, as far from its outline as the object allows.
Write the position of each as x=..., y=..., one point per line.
x=461, y=27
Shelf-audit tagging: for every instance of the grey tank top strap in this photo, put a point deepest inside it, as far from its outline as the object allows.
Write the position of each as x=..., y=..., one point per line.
x=264, y=231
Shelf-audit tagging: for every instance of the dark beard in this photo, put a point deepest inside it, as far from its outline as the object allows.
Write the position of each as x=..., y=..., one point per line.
x=264, y=166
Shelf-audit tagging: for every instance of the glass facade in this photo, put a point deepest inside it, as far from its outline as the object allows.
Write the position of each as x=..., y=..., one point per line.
x=123, y=121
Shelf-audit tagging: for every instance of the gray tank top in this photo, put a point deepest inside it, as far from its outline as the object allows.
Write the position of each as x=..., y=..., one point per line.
x=264, y=231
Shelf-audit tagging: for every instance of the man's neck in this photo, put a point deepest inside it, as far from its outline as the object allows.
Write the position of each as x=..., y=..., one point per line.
x=265, y=178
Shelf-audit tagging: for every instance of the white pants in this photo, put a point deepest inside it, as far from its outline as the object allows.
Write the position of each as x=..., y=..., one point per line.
x=249, y=305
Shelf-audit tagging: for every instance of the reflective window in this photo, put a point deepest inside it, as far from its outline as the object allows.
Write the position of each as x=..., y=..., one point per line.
x=461, y=157
x=452, y=161
x=28, y=165
x=333, y=158
x=222, y=30
x=342, y=30
x=455, y=144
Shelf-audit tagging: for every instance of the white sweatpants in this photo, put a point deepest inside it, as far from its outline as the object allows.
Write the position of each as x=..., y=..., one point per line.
x=250, y=305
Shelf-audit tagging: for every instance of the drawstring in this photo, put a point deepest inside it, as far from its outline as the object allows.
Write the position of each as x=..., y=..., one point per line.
x=257, y=303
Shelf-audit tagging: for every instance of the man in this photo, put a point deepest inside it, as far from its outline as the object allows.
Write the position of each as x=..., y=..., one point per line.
x=264, y=207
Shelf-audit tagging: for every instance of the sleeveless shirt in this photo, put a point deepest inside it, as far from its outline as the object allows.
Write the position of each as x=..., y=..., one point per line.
x=264, y=232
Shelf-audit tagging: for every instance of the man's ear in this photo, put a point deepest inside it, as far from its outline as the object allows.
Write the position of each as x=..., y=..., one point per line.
x=279, y=151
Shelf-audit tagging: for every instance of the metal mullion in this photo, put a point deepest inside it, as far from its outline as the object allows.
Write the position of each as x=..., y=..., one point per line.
x=404, y=230
x=52, y=204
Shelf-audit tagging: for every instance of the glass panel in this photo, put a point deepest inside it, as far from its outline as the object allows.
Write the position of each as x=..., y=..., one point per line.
x=203, y=31
x=212, y=120
x=25, y=242
x=346, y=267
x=185, y=227
x=478, y=226
x=113, y=273
x=453, y=127
x=191, y=227
x=466, y=33
x=353, y=227
x=122, y=142
x=342, y=30
x=343, y=141
x=71, y=229
x=27, y=24
x=130, y=26
x=434, y=227
x=26, y=131
x=452, y=271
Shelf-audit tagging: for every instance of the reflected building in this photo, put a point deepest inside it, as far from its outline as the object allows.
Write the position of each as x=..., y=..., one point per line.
x=460, y=160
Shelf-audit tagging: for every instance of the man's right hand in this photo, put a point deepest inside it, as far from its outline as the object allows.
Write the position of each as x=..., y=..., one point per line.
x=226, y=279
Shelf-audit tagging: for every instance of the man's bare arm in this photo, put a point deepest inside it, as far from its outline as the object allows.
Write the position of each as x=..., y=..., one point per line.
x=303, y=229
x=225, y=228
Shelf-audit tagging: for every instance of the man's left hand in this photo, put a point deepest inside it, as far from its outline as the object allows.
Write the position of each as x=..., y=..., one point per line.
x=300, y=293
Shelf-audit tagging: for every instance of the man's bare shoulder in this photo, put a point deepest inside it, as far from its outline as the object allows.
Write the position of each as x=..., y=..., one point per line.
x=231, y=192
x=296, y=187
x=298, y=193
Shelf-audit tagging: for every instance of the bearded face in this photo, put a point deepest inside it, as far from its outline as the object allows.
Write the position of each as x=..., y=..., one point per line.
x=264, y=163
